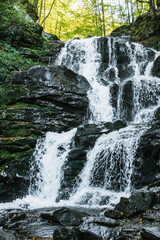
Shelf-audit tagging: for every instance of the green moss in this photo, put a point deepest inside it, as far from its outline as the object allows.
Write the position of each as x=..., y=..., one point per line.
x=7, y=156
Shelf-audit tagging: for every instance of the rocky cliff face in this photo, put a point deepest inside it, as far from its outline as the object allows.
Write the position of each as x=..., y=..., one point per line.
x=33, y=102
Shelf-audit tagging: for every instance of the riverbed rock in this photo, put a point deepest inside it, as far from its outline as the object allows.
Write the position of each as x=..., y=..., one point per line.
x=137, y=202
x=69, y=217
x=101, y=232
x=149, y=233
x=7, y=236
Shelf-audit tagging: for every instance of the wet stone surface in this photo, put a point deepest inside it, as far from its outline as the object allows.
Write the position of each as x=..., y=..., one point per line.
x=24, y=224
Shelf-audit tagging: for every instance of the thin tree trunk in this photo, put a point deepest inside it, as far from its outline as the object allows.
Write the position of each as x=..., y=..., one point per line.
x=100, y=20
x=56, y=26
x=152, y=7
x=103, y=16
x=132, y=12
x=127, y=5
x=158, y=3
x=40, y=13
x=44, y=14
x=48, y=12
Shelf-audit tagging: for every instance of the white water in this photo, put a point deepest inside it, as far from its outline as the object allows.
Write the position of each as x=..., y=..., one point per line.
x=107, y=174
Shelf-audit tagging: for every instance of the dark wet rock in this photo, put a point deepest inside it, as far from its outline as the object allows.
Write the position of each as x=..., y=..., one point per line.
x=50, y=217
x=154, y=184
x=66, y=234
x=151, y=233
x=101, y=232
x=114, y=95
x=69, y=217
x=87, y=134
x=156, y=68
x=137, y=202
x=113, y=214
x=36, y=101
x=17, y=217
x=127, y=101
x=104, y=221
x=147, y=159
x=7, y=236
x=72, y=167
x=51, y=55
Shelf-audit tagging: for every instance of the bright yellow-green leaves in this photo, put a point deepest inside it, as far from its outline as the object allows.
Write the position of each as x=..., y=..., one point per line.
x=80, y=18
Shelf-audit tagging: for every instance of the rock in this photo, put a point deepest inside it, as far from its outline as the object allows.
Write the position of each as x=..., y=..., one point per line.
x=38, y=100
x=87, y=134
x=49, y=36
x=7, y=236
x=113, y=214
x=149, y=233
x=101, y=232
x=66, y=234
x=156, y=68
x=147, y=157
x=114, y=95
x=18, y=217
x=68, y=217
x=104, y=221
x=72, y=168
x=144, y=30
x=127, y=101
x=137, y=202
x=73, y=234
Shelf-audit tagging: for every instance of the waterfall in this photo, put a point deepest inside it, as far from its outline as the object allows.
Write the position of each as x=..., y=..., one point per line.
x=121, y=88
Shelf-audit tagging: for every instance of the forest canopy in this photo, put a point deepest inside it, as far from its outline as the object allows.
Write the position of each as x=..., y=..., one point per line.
x=80, y=18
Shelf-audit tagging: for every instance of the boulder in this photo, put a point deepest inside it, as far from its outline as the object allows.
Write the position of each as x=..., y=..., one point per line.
x=101, y=232
x=66, y=234
x=68, y=217
x=136, y=203
x=113, y=214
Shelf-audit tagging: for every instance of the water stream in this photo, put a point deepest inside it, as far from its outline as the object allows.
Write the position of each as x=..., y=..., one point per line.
x=107, y=174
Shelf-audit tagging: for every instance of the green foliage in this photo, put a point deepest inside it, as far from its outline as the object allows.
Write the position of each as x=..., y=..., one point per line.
x=12, y=60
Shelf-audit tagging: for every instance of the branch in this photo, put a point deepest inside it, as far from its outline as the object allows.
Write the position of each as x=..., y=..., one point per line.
x=141, y=1
x=48, y=12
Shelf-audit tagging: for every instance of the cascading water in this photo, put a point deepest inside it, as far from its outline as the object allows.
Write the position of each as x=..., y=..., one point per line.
x=121, y=88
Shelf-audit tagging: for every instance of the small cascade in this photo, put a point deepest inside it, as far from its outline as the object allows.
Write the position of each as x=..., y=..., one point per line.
x=109, y=168
x=82, y=57
x=51, y=152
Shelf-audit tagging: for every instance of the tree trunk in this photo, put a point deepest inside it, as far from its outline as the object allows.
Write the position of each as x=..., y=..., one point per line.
x=40, y=11
x=44, y=15
x=103, y=16
x=158, y=3
x=132, y=12
x=127, y=5
x=100, y=20
x=152, y=7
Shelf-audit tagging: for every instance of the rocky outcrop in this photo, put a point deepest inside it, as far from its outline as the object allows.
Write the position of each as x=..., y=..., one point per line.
x=145, y=30
x=147, y=160
x=33, y=102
